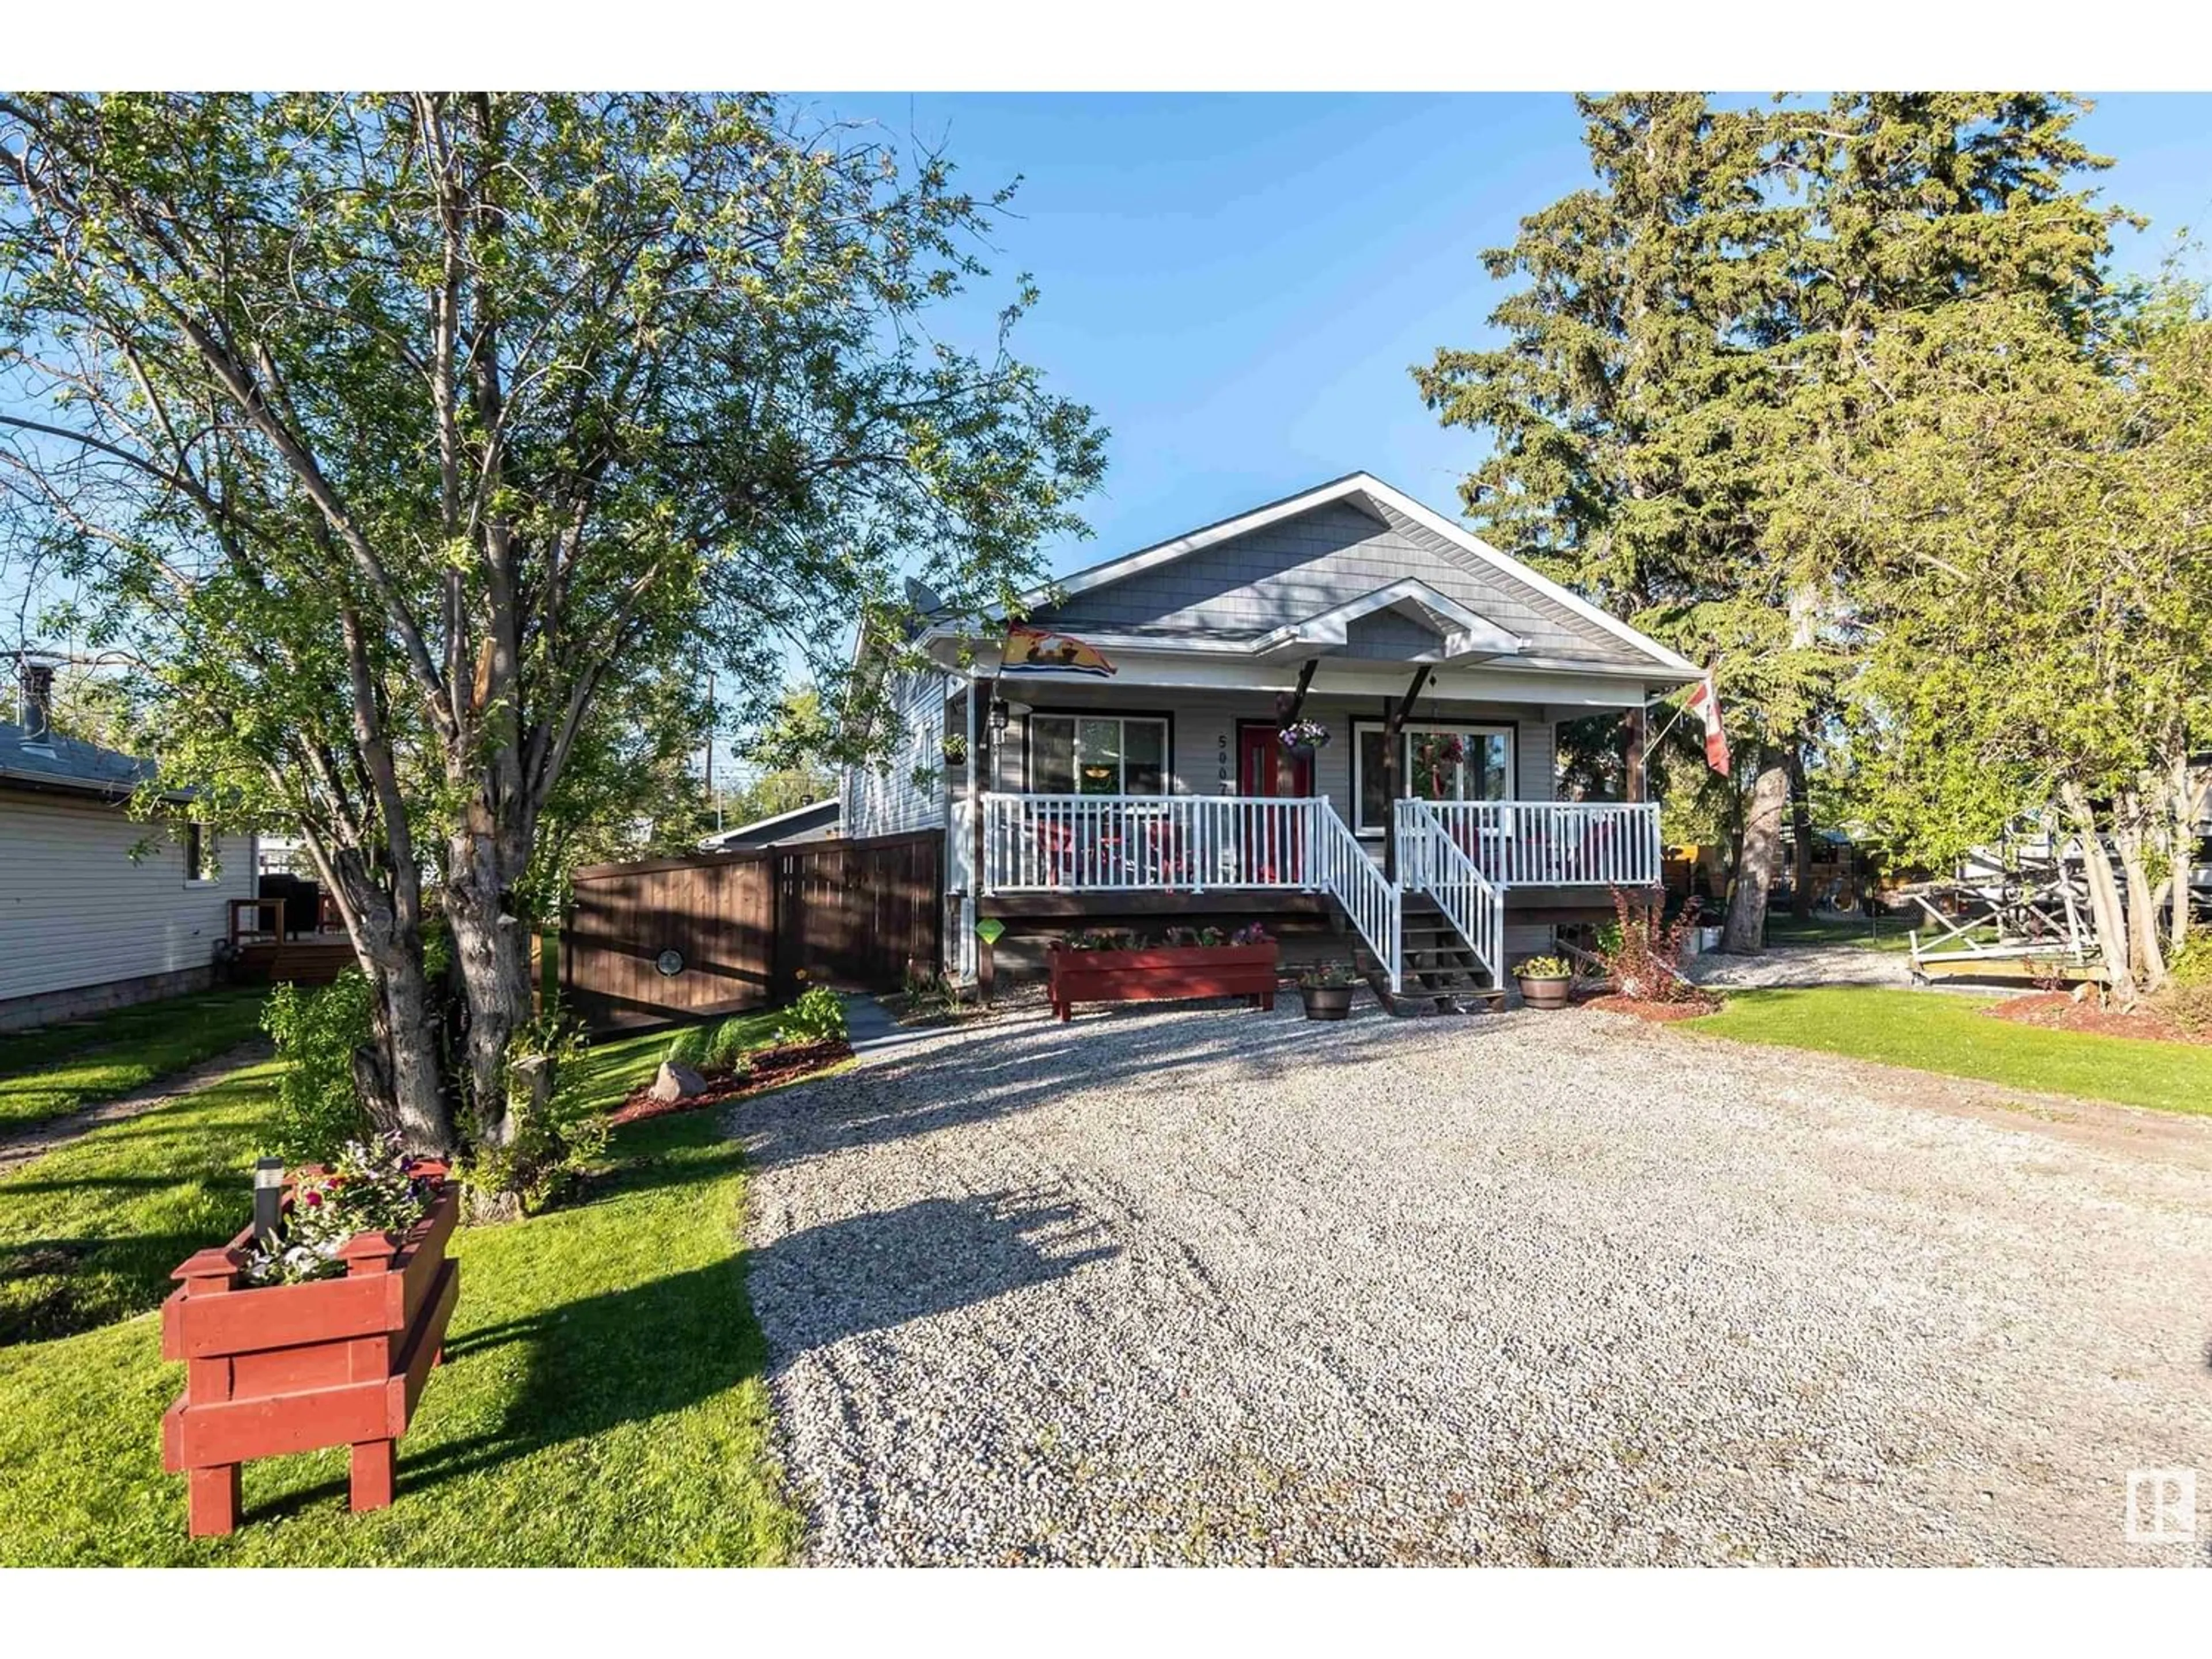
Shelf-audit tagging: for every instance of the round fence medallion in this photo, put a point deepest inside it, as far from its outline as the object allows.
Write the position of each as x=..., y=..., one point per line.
x=671, y=963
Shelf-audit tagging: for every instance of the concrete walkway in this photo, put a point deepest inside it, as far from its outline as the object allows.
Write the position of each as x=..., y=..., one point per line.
x=35, y=1140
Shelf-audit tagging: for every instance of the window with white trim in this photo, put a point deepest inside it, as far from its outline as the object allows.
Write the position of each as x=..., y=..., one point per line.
x=1439, y=761
x=1098, y=755
x=200, y=854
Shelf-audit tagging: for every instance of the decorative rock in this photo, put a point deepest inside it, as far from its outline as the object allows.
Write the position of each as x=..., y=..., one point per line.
x=676, y=1081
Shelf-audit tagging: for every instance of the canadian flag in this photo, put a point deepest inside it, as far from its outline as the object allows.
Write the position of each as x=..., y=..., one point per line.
x=1706, y=704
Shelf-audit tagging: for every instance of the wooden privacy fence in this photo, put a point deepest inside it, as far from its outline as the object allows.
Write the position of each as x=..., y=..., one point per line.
x=717, y=933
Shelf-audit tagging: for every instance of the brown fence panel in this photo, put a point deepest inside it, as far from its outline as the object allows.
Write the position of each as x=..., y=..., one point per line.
x=740, y=930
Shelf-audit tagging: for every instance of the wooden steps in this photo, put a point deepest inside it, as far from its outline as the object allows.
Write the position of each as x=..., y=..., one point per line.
x=1439, y=969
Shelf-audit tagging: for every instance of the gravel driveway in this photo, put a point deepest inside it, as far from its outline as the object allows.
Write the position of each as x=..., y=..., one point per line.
x=1211, y=1286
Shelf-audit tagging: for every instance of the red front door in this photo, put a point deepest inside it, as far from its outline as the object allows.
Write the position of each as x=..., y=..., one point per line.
x=1273, y=850
x=1264, y=767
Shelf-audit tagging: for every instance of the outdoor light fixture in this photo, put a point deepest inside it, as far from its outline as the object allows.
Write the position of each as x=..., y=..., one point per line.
x=268, y=1197
x=999, y=715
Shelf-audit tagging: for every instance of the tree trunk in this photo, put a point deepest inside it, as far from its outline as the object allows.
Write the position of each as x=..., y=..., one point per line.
x=2186, y=804
x=491, y=949
x=2134, y=816
x=1762, y=847
x=1801, y=836
x=2104, y=908
x=398, y=1072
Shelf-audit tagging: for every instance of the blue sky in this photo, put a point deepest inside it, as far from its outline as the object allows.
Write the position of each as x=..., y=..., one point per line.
x=1238, y=283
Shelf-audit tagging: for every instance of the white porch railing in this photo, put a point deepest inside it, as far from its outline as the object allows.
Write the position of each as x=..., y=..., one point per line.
x=1429, y=861
x=1191, y=844
x=1556, y=844
x=1119, y=844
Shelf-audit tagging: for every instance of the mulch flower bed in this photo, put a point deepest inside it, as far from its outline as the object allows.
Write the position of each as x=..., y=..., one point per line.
x=1662, y=1012
x=2057, y=1011
x=771, y=1069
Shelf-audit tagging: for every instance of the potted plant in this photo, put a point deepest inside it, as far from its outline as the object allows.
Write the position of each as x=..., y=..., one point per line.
x=1327, y=990
x=317, y=1327
x=956, y=751
x=1544, y=981
x=1112, y=965
x=1304, y=737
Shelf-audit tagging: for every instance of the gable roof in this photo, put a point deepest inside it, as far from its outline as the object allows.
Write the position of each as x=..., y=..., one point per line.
x=1501, y=599
x=72, y=763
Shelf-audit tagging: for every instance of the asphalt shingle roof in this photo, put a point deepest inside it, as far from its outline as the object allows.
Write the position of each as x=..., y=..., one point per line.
x=72, y=764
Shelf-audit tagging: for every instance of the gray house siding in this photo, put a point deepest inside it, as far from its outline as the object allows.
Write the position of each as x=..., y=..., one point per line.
x=1203, y=727
x=1327, y=558
x=908, y=791
x=80, y=915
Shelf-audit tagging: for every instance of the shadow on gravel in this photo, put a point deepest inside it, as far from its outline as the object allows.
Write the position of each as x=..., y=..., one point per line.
x=1005, y=1069
x=874, y=1272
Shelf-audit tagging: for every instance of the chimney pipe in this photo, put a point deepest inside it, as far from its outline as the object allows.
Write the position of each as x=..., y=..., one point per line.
x=38, y=705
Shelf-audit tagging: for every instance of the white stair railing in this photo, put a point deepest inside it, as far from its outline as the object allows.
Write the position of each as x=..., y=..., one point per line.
x=1430, y=860
x=1343, y=868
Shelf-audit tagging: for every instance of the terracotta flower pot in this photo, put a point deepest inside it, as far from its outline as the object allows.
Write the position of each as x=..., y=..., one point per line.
x=1545, y=993
x=1326, y=1001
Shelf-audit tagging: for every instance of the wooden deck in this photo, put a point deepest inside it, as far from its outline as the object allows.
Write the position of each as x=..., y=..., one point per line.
x=310, y=959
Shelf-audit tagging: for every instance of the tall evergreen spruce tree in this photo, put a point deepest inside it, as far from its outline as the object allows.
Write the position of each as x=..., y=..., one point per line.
x=1691, y=323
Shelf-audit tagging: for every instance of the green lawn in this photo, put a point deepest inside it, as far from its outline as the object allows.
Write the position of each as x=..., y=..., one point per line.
x=602, y=1402
x=1886, y=933
x=89, y=1231
x=1937, y=1031
x=54, y=1070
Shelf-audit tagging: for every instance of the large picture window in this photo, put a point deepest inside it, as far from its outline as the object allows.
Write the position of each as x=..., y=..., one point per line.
x=1439, y=763
x=1098, y=755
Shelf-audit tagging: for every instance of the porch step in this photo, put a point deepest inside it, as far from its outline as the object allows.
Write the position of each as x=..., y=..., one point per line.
x=1440, y=974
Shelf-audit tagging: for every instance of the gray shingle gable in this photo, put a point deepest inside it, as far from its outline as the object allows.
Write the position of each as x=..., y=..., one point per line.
x=1285, y=571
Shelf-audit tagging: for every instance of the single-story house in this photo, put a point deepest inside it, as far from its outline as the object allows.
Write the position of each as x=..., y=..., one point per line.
x=816, y=821
x=1129, y=751
x=99, y=907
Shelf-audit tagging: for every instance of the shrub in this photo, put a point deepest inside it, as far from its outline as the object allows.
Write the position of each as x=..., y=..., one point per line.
x=725, y=1048
x=319, y=1111
x=556, y=1134
x=2187, y=997
x=1645, y=960
x=689, y=1047
x=817, y=1017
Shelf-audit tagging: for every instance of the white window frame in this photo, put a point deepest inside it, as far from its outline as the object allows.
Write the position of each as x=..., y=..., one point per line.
x=1505, y=729
x=1075, y=717
x=210, y=851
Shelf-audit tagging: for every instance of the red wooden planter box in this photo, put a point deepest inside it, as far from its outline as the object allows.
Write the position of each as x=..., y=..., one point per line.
x=1168, y=974
x=287, y=1367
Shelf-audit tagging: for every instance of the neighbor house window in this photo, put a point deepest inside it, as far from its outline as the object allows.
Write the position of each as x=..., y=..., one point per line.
x=1439, y=763
x=199, y=853
x=1098, y=755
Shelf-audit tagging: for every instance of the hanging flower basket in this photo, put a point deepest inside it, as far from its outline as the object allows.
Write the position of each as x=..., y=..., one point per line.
x=1304, y=737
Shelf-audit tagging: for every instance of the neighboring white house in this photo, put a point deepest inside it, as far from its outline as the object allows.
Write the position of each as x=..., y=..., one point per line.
x=1128, y=760
x=99, y=907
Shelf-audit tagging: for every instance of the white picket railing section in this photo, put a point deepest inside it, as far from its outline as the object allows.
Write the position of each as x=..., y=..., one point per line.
x=1188, y=843
x=1463, y=853
x=1429, y=861
x=1117, y=843
x=1556, y=844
